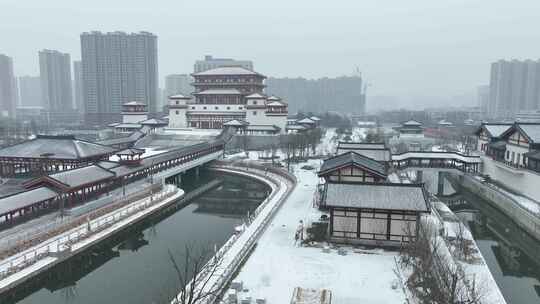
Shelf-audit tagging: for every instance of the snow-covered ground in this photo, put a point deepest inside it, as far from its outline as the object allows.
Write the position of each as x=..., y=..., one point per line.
x=148, y=151
x=277, y=265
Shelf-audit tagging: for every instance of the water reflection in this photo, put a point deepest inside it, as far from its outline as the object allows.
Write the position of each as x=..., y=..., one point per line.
x=511, y=253
x=135, y=267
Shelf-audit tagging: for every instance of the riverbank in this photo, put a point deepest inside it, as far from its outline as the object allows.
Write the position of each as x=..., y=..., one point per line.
x=523, y=217
x=233, y=253
x=22, y=266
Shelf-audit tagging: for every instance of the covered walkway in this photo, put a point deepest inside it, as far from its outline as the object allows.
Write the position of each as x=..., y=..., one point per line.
x=446, y=160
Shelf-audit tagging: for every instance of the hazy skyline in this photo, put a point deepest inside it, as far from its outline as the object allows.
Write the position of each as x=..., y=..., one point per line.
x=403, y=48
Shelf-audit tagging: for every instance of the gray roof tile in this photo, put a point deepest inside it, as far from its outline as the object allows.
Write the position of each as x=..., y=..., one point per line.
x=352, y=158
x=408, y=197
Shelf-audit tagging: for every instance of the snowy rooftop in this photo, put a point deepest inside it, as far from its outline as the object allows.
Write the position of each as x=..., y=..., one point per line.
x=352, y=158
x=409, y=197
x=229, y=70
x=219, y=92
x=437, y=155
x=276, y=266
x=256, y=95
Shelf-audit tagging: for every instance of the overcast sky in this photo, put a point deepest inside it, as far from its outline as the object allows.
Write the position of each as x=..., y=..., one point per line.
x=414, y=47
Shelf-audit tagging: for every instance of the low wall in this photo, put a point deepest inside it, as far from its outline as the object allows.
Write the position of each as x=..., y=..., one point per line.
x=519, y=180
x=522, y=217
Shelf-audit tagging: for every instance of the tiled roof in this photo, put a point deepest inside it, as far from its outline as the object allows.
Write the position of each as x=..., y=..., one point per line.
x=235, y=122
x=306, y=120
x=179, y=96
x=276, y=104
x=134, y=103
x=56, y=147
x=219, y=92
x=531, y=130
x=411, y=123
x=348, y=158
x=256, y=96
x=494, y=129
x=130, y=151
x=406, y=197
x=80, y=176
x=25, y=199
x=360, y=145
x=153, y=121
x=229, y=70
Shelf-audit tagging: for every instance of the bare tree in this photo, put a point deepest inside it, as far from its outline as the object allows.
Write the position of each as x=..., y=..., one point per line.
x=196, y=270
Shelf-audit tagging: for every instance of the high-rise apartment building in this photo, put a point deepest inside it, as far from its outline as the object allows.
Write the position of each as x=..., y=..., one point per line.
x=343, y=94
x=8, y=87
x=210, y=63
x=482, y=98
x=514, y=87
x=55, y=75
x=117, y=68
x=77, y=86
x=30, y=91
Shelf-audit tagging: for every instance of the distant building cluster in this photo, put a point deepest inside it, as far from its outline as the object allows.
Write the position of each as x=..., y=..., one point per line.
x=209, y=63
x=8, y=87
x=514, y=87
x=342, y=94
x=117, y=68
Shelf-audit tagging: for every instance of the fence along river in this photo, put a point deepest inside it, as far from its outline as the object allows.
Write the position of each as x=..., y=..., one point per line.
x=135, y=266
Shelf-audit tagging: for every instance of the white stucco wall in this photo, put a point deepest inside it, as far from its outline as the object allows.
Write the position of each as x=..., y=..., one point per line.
x=177, y=118
x=519, y=180
x=133, y=118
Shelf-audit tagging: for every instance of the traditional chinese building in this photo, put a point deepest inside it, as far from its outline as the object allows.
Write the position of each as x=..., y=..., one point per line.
x=228, y=94
x=48, y=154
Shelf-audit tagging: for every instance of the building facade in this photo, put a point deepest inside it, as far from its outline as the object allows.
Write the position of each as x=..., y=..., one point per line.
x=117, y=68
x=55, y=76
x=209, y=63
x=514, y=87
x=8, y=92
x=176, y=84
x=77, y=86
x=225, y=94
x=30, y=91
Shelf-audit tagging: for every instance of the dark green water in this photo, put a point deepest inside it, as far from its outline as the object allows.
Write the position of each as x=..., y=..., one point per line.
x=512, y=255
x=137, y=269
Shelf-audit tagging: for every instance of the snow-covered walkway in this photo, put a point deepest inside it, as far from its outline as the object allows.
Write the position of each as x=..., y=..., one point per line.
x=277, y=266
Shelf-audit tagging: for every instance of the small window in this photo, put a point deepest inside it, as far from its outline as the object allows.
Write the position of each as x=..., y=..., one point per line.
x=177, y=112
x=228, y=108
x=215, y=108
x=193, y=108
x=204, y=108
x=254, y=113
x=254, y=102
x=240, y=108
x=177, y=102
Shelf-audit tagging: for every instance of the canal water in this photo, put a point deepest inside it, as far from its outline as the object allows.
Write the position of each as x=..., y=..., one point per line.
x=512, y=255
x=136, y=268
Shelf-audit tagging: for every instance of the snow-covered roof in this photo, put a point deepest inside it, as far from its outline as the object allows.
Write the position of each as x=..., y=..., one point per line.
x=179, y=96
x=25, y=199
x=128, y=126
x=56, y=147
x=153, y=121
x=235, y=123
x=256, y=96
x=274, y=97
x=360, y=145
x=494, y=129
x=134, y=103
x=411, y=123
x=227, y=70
x=406, y=197
x=262, y=128
x=314, y=118
x=306, y=121
x=352, y=158
x=295, y=127
x=437, y=155
x=276, y=104
x=130, y=151
x=219, y=92
x=531, y=130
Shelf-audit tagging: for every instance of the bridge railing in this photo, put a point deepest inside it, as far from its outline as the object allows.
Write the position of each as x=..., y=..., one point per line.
x=269, y=173
x=77, y=231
